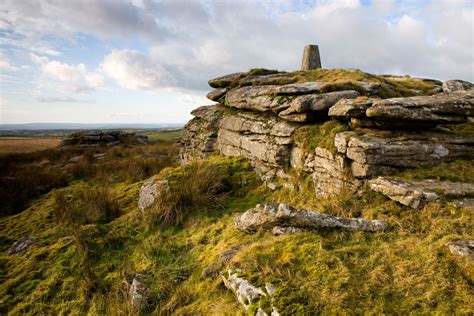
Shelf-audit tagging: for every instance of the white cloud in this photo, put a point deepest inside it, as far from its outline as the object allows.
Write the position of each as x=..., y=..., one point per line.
x=5, y=63
x=65, y=77
x=136, y=71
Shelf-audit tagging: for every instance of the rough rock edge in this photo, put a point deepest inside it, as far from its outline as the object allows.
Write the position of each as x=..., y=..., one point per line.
x=417, y=194
x=246, y=293
x=267, y=216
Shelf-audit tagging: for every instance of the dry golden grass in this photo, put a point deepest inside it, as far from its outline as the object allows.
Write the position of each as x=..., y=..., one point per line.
x=27, y=145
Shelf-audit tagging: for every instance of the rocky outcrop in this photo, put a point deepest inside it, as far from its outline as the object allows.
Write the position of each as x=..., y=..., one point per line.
x=261, y=112
x=247, y=294
x=22, y=244
x=267, y=216
x=103, y=138
x=416, y=194
x=462, y=248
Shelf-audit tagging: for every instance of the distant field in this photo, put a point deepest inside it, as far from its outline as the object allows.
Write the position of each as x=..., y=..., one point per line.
x=11, y=145
x=165, y=135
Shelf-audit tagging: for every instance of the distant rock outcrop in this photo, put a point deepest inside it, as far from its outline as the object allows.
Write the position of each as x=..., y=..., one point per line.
x=91, y=139
x=388, y=121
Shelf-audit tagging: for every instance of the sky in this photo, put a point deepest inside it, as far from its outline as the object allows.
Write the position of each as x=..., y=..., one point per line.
x=148, y=61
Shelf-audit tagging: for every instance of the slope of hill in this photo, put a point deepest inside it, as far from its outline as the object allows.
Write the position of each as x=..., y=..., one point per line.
x=326, y=191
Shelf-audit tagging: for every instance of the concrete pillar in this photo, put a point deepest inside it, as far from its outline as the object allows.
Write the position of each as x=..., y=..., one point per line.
x=311, y=59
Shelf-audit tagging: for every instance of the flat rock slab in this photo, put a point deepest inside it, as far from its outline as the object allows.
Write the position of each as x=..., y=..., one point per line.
x=267, y=216
x=373, y=152
x=409, y=112
x=417, y=194
x=294, y=102
x=439, y=108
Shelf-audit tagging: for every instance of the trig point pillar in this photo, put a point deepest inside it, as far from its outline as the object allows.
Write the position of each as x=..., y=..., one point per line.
x=311, y=59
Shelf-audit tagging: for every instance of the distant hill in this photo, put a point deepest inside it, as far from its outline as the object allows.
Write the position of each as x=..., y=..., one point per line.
x=63, y=126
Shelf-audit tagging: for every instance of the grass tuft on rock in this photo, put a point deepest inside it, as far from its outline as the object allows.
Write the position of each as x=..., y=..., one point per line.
x=319, y=135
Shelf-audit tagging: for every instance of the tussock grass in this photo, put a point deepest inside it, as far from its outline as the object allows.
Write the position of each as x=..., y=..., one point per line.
x=405, y=270
x=24, y=177
x=202, y=184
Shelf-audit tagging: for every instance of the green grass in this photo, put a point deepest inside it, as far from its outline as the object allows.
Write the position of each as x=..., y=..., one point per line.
x=405, y=270
x=319, y=135
x=172, y=134
x=457, y=171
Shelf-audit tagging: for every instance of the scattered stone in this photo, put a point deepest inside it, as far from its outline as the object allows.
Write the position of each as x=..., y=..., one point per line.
x=227, y=255
x=217, y=94
x=138, y=294
x=246, y=293
x=150, y=190
x=462, y=248
x=211, y=271
x=75, y=159
x=281, y=230
x=267, y=216
x=22, y=244
x=99, y=156
x=457, y=85
x=417, y=194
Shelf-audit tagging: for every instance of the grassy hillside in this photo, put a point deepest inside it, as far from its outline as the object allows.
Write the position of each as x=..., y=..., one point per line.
x=93, y=239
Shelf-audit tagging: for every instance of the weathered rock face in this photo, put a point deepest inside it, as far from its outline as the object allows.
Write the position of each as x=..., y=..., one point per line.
x=442, y=108
x=267, y=216
x=264, y=140
x=103, y=138
x=200, y=134
x=416, y=194
x=294, y=102
x=374, y=153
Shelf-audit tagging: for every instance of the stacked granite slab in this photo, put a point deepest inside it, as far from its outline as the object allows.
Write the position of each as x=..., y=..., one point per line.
x=258, y=116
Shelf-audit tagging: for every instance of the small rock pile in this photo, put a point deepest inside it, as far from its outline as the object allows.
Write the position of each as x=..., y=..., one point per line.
x=92, y=139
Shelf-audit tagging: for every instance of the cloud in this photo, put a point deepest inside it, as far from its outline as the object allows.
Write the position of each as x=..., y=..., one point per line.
x=136, y=71
x=74, y=78
x=54, y=99
x=5, y=63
